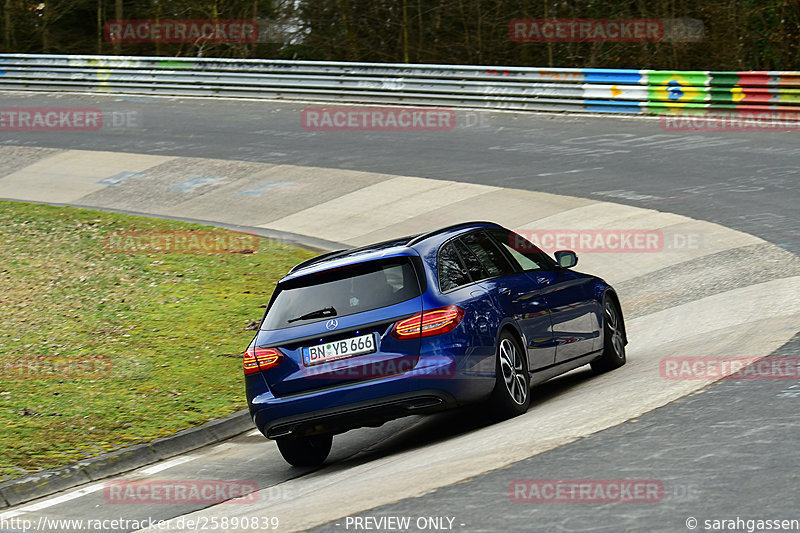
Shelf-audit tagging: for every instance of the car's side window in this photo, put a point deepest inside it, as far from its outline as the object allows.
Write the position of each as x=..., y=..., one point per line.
x=524, y=252
x=488, y=254
x=452, y=273
x=474, y=266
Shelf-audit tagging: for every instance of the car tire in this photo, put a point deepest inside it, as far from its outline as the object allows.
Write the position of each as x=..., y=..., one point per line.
x=613, y=338
x=511, y=395
x=305, y=451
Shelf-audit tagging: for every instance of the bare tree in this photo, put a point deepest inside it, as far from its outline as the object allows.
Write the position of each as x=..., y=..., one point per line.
x=7, y=25
x=738, y=34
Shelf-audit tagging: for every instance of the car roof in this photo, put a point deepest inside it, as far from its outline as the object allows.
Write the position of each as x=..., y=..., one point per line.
x=410, y=245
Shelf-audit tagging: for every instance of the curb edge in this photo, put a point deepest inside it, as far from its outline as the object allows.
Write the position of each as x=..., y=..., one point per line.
x=47, y=482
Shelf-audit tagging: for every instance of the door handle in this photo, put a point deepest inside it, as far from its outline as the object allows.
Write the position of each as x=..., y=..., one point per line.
x=543, y=281
x=504, y=290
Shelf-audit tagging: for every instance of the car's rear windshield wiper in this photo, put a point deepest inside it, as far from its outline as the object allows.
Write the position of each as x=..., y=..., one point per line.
x=319, y=313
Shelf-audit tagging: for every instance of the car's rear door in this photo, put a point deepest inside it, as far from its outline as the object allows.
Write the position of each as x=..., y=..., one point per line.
x=514, y=293
x=351, y=343
x=481, y=315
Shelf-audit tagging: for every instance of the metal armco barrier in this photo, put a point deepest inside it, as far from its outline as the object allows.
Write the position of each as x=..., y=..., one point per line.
x=513, y=88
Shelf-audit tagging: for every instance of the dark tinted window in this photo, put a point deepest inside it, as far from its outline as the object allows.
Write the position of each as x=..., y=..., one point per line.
x=350, y=290
x=474, y=266
x=452, y=273
x=527, y=254
x=488, y=254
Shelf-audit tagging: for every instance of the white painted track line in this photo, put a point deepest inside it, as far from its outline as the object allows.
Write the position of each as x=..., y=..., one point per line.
x=160, y=467
x=49, y=502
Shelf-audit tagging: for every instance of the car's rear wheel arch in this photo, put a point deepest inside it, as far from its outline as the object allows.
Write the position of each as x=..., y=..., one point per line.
x=613, y=295
x=511, y=373
x=514, y=332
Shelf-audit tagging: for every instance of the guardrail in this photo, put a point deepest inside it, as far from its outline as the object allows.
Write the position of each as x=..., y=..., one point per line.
x=512, y=88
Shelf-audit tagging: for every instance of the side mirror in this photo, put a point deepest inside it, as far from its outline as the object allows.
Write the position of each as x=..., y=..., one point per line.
x=566, y=258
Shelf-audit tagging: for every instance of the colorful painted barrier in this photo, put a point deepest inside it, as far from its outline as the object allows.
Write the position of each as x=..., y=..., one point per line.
x=514, y=88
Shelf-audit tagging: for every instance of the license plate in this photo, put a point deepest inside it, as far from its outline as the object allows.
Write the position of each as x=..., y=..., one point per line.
x=332, y=351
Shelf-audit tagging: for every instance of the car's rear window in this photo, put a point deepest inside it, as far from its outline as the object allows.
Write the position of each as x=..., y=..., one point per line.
x=343, y=291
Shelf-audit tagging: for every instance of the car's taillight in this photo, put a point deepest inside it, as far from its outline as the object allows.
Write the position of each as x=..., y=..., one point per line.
x=258, y=359
x=428, y=323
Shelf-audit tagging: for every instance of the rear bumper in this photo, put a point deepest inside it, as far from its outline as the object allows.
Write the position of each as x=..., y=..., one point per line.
x=359, y=414
x=367, y=403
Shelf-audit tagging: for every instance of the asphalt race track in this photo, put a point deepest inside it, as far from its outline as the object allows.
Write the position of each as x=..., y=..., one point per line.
x=727, y=450
x=743, y=180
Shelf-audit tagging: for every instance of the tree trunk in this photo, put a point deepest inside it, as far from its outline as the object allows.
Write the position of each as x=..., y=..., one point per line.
x=45, y=29
x=118, y=15
x=7, y=26
x=99, y=27
x=157, y=8
x=549, y=43
x=405, y=31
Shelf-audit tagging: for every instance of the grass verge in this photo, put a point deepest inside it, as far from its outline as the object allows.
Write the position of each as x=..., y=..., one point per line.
x=100, y=350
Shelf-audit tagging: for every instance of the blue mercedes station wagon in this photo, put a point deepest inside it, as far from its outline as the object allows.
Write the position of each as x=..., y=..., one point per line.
x=464, y=314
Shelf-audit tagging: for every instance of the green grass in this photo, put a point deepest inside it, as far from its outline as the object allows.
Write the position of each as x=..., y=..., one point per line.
x=166, y=332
